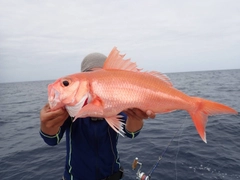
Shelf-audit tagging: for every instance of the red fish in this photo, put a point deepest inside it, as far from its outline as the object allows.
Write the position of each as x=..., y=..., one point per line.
x=120, y=85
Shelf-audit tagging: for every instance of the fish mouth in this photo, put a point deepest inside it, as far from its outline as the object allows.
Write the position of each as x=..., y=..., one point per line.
x=54, y=99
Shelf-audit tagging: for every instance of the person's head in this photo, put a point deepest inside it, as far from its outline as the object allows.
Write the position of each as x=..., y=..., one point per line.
x=93, y=60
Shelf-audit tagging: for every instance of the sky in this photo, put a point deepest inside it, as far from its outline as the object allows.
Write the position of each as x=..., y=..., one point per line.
x=46, y=40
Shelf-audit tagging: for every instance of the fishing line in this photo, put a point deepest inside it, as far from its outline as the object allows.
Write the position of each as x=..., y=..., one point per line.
x=141, y=175
x=178, y=149
x=164, y=151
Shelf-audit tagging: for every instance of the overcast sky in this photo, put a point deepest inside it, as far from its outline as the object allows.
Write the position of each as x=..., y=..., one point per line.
x=41, y=40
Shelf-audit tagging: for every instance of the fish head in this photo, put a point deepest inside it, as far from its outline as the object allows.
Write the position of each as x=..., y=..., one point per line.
x=67, y=91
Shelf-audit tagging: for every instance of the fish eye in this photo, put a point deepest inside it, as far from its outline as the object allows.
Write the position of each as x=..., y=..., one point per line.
x=65, y=83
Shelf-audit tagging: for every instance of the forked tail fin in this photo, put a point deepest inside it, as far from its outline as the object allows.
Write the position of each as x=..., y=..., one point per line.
x=205, y=108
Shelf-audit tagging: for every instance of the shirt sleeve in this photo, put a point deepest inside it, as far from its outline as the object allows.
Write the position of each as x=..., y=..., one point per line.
x=127, y=133
x=53, y=140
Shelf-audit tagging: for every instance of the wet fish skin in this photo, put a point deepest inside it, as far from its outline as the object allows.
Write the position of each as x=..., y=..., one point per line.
x=120, y=85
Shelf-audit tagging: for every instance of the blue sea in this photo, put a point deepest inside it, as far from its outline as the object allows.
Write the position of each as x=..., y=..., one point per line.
x=24, y=155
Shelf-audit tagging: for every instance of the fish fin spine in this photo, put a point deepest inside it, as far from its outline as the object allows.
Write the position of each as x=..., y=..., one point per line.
x=161, y=76
x=115, y=122
x=115, y=61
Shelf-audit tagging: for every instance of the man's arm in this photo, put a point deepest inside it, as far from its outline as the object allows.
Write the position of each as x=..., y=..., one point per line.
x=135, y=119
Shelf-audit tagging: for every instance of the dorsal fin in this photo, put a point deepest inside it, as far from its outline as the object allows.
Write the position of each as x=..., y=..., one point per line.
x=161, y=76
x=116, y=61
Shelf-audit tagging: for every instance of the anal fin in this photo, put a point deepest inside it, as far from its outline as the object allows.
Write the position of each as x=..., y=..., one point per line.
x=115, y=122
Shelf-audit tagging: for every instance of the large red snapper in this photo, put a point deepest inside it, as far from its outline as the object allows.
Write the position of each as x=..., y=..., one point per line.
x=120, y=85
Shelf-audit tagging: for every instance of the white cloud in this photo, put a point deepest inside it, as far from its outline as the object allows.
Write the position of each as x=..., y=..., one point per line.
x=159, y=35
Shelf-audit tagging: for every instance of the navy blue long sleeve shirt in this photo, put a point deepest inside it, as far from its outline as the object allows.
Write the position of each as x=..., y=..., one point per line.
x=91, y=148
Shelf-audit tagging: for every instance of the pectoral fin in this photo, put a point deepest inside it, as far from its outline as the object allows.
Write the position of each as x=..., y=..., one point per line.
x=93, y=109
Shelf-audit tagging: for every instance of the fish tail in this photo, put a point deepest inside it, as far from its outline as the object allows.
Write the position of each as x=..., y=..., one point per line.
x=205, y=108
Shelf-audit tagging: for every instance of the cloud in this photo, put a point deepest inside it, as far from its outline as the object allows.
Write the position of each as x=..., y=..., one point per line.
x=169, y=36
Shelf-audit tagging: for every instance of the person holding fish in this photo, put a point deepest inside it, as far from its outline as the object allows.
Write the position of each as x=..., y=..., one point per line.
x=90, y=141
x=111, y=96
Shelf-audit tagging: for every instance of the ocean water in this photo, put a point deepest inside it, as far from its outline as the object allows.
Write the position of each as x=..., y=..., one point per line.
x=24, y=155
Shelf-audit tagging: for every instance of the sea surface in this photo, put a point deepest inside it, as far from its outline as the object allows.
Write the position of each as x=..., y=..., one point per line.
x=24, y=155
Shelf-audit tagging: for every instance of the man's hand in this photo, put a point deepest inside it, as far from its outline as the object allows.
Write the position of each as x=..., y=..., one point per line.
x=138, y=114
x=52, y=120
x=135, y=118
